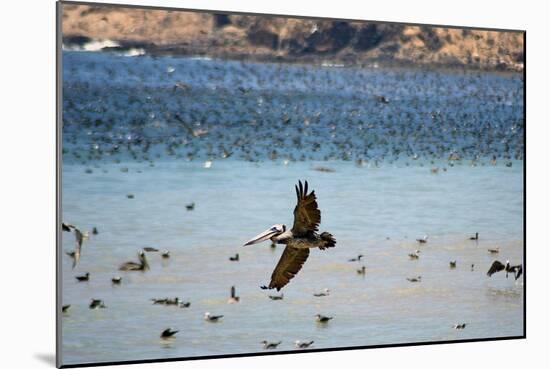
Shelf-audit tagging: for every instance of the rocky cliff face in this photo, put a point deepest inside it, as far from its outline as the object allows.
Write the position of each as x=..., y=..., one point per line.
x=291, y=39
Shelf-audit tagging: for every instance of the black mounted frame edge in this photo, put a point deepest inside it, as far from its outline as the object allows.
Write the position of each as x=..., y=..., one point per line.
x=59, y=125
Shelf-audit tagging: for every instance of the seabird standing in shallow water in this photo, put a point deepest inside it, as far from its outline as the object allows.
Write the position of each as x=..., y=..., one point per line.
x=497, y=266
x=298, y=240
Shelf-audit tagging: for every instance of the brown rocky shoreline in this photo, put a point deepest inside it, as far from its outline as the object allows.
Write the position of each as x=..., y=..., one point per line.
x=283, y=39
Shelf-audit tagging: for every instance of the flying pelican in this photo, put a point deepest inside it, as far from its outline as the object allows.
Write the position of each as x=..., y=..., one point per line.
x=302, y=345
x=143, y=265
x=79, y=237
x=270, y=345
x=497, y=266
x=234, y=298
x=298, y=240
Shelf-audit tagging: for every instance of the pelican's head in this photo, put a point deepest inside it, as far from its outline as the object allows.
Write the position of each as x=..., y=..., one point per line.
x=274, y=231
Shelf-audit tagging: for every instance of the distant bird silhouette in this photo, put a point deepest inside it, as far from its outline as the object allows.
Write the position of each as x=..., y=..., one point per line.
x=190, y=206
x=83, y=278
x=168, y=333
x=65, y=308
x=95, y=231
x=415, y=255
x=234, y=258
x=276, y=297
x=423, y=239
x=185, y=304
x=322, y=318
x=452, y=264
x=362, y=271
x=97, y=304
x=496, y=250
x=302, y=345
x=460, y=326
x=116, y=280
x=497, y=266
x=130, y=196
x=234, y=298
x=475, y=238
x=270, y=345
x=150, y=249
x=212, y=318
x=415, y=279
x=358, y=258
x=166, y=254
x=326, y=292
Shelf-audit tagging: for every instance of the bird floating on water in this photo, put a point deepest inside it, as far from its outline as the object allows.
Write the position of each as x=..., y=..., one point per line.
x=83, y=278
x=190, y=206
x=452, y=264
x=276, y=297
x=166, y=254
x=116, y=280
x=150, y=249
x=185, y=304
x=322, y=318
x=234, y=258
x=97, y=304
x=301, y=345
x=495, y=250
x=212, y=318
x=358, y=258
x=142, y=265
x=234, y=298
x=362, y=271
x=497, y=266
x=298, y=240
x=475, y=238
x=423, y=239
x=460, y=326
x=415, y=255
x=415, y=279
x=168, y=333
x=325, y=292
x=270, y=345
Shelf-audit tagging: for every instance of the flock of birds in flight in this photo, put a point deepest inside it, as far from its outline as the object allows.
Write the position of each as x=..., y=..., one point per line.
x=303, y=236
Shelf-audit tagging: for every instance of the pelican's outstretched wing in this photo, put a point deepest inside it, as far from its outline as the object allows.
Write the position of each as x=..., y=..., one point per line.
x=307, y=215
x=497, y=266
x=288, y=266
x=78, y=245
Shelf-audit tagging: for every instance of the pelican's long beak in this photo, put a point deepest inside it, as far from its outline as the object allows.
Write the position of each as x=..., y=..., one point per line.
x=266, y=235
